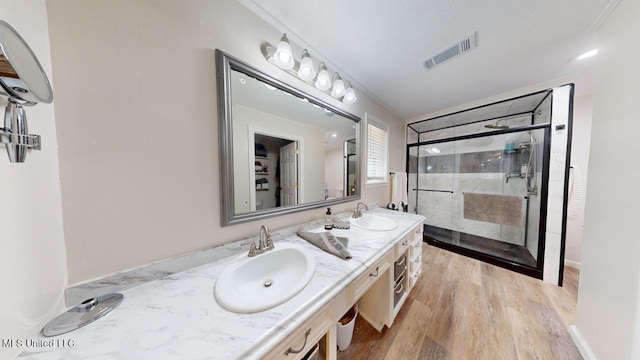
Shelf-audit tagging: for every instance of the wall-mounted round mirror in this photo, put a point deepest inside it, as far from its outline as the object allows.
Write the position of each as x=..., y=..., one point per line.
x=23, y=82
x=21, y=75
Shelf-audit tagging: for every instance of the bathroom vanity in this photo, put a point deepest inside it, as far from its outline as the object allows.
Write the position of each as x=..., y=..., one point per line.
x=177, y=315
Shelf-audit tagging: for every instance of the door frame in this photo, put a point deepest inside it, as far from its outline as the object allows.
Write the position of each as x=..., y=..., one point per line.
x=252, y=131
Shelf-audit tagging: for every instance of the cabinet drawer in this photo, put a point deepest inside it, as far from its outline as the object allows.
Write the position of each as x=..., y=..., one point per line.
x=415, y=263
x=412, y=282
x=417, y=232
x=398, y=290
x=399, y=266
x=402, y=246
x=303, y=339
x=416, y=246
x=413, y=278
x=364, y=281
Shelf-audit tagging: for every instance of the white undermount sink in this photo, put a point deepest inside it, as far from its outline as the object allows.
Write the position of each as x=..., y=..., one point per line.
x=374, y=223
x=254, y=284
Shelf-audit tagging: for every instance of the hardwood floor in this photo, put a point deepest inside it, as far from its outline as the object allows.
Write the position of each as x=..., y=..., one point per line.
x=462, y=308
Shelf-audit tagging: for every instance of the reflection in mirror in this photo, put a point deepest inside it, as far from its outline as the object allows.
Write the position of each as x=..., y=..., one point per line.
x=350, y=163
x=287, y=150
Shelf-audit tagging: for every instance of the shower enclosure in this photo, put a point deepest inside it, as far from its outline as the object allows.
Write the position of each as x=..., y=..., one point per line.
x=480, y=178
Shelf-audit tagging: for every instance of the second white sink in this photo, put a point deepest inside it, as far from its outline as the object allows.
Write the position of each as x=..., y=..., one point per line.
x=374, y=223
x=254, y=284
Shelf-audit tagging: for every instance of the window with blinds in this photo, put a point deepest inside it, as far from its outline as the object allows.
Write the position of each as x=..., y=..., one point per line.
x=377, y=139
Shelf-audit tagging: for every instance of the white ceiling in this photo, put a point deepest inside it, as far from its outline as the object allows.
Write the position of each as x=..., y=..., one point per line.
x=250, y=92
x=381, y=44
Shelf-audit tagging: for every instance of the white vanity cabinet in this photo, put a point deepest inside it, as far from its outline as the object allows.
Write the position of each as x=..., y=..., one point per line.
x=384, y=299
x=415, y=258
x=379, y=280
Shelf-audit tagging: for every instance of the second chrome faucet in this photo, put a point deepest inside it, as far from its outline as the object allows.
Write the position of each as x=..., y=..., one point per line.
x=357, y=212
x=265, y=243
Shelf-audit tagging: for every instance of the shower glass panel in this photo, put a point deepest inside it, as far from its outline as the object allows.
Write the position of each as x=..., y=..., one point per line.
x=482, y=193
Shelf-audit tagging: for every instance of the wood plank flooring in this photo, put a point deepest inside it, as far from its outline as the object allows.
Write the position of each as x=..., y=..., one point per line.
x=462, y=308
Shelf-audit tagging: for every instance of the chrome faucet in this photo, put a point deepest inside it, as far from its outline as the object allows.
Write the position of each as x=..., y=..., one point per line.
x=265, y=243
x=357, y=212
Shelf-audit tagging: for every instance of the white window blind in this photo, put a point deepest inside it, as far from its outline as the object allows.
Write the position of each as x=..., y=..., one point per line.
x=376, y=153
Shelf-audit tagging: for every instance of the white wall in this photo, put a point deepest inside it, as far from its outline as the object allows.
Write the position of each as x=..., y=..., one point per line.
x=311, y=158
x=608, y=299
x=580, y=146
x=138, y=129
x=32, y=259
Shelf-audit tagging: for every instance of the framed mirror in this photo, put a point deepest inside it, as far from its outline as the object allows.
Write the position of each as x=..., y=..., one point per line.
x=281, y=150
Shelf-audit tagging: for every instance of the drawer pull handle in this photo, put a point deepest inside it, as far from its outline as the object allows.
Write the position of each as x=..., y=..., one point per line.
x=401, y=261
x=291, y=351
x=400, y=289
x=405, y=243
x=416, y=260
x=374, y=275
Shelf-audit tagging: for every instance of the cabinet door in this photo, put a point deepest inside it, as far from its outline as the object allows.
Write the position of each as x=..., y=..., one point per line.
x=306, y=336
x=376, y=305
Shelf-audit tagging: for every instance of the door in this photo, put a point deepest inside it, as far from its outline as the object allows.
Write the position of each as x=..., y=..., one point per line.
x=289, y=174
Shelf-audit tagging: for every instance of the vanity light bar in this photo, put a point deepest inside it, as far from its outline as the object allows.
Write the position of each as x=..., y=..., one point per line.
x=305, y=70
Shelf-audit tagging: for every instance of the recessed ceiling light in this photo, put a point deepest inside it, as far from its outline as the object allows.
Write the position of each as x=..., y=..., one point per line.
x=334, y=135
x=435, y=150
x=270, y=87
x=243, y=81
x=588, y=54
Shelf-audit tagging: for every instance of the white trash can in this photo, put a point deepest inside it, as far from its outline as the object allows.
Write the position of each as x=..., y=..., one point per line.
x=345, y=328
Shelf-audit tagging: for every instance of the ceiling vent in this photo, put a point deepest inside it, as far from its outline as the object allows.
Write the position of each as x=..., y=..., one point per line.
x=461, y=47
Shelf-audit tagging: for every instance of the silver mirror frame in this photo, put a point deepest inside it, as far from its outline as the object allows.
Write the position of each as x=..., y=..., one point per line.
x=224, y=64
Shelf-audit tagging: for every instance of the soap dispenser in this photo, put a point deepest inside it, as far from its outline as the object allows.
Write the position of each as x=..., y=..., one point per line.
x=328, y=220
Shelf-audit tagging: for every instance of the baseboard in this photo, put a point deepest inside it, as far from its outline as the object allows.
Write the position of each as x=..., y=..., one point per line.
x=581, y=344
x=573, y=264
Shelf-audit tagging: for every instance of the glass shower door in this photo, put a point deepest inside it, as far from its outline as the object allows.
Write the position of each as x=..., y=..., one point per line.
x=482, y=194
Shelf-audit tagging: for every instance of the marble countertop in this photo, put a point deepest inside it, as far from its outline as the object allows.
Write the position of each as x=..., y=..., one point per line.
x=176, y=316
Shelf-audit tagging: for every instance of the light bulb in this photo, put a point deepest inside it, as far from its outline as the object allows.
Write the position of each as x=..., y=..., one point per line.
x=307, y=71
x=338, y=88
x=349, y=96
x=323, y=82
x=283, y=56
